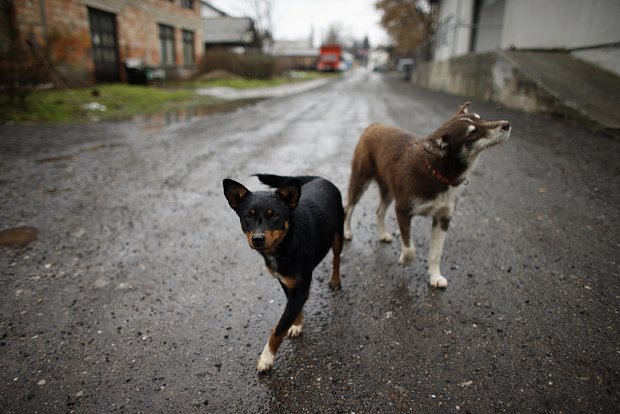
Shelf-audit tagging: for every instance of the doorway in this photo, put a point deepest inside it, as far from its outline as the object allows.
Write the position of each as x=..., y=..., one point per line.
x=105, y=45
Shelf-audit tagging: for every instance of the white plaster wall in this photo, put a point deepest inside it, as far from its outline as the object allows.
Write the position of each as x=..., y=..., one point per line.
x=453, y=37
x=549, y=24
x=490, y=23
x=533, y=24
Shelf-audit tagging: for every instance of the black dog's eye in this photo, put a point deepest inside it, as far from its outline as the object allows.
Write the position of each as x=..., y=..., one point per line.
x=271, y=214
x=251, y=213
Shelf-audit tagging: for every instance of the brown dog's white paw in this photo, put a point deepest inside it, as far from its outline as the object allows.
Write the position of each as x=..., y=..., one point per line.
x=386, y=237
x=438, y=281
x=407, y=255
x=348, y=234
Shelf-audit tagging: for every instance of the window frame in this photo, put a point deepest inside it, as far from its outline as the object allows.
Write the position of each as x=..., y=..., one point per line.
x=167, y=45
x=188, y=38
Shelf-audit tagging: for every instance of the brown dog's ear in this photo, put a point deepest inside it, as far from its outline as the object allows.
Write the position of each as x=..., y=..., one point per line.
x=462, y=109
x=234, y=192
x=436, y=146
x=290, y=192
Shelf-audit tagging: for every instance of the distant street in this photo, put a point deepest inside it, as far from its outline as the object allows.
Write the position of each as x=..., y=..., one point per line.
x=140, y=294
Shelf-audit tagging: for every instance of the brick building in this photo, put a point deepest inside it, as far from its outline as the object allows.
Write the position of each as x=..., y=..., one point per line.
x=89, y=41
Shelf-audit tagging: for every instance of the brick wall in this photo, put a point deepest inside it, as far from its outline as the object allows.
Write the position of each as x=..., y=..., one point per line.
x=61, y=30
x=138, y=36
x=59, y=33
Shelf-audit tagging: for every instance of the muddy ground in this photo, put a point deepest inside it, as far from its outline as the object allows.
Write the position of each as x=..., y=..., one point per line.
x=140, y=293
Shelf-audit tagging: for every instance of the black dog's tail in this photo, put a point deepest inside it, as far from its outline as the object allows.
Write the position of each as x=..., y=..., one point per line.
x=277, y=181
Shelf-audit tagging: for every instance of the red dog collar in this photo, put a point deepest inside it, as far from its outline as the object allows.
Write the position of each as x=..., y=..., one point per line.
x=438, y=175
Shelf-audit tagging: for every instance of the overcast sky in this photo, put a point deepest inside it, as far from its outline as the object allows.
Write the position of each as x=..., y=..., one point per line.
x=294, y=19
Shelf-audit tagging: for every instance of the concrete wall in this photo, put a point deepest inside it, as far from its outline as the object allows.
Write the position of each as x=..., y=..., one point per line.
x=591, y=27
x=566, y=24
x=607, y=58
x=532, y=81
x=487, y=76
x=453, y=38
x=490, y=24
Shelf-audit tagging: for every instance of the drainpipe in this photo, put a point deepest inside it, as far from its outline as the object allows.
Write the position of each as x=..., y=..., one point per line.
x=43, y=18
x=457, y=24
x=43, y=24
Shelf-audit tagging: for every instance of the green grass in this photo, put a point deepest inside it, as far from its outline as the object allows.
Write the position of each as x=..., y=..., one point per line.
x=122, y=101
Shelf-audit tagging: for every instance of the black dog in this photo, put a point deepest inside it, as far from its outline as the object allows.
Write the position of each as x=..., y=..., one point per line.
x=293, y=228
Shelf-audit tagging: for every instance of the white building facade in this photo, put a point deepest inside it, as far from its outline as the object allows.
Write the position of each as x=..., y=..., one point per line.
x=590, y=30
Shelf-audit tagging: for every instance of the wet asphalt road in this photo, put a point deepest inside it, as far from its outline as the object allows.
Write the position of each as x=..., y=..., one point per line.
x=141, y=295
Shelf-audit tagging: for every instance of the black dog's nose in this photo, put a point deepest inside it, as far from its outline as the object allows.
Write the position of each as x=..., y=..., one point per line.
x=258, y=239
x=506, y=126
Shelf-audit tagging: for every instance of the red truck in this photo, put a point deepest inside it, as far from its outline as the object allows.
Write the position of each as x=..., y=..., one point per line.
x=330, y=59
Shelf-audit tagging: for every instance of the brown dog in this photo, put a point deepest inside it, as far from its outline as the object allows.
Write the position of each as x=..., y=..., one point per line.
x=423, y=176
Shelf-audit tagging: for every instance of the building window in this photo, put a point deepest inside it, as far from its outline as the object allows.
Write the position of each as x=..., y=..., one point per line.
x=166, y=40
x=188, y=48
x=188, y=4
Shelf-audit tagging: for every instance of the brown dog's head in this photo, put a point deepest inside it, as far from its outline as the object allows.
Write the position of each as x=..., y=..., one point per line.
x=465, y=135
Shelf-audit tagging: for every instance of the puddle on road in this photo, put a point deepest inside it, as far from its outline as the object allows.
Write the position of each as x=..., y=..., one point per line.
x=158, y=120
x=18, y=236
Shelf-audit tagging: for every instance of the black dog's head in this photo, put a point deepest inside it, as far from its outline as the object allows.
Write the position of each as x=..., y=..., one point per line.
x=264, y=215
x=465, y=135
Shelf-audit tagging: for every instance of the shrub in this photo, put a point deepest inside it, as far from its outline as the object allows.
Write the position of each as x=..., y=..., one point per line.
x=253, y=65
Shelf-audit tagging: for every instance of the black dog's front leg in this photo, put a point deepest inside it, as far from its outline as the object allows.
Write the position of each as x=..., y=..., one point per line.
x=296, y=294
x=296, y=327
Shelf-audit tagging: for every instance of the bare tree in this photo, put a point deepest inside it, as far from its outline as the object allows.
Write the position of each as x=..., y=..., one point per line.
x=334, y=34
x=263, y=17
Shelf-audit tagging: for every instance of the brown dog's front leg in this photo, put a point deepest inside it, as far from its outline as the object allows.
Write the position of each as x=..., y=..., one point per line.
x=438, y=236
x=403, y=216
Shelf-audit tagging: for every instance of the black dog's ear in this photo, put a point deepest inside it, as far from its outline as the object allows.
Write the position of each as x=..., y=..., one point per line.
x=234, y=192
x=290, y=192
x=436, y=146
